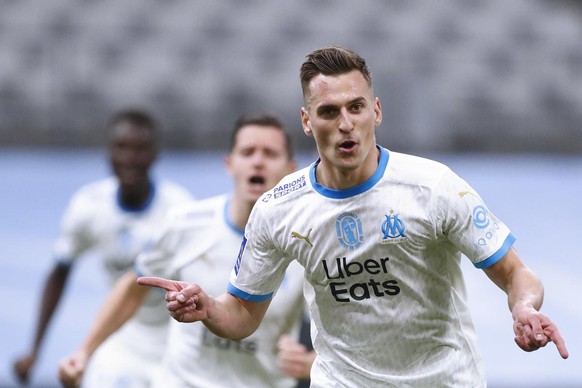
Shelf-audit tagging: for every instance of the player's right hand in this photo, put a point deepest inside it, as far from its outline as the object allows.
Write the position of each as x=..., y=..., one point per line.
x=293, y=358
x=186, y=302
x=23, y=366
x=71, y=369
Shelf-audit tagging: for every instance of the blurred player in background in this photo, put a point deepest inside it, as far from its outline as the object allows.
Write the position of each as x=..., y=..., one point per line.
x=114, y=218
x=380, y=235
x=200, y=242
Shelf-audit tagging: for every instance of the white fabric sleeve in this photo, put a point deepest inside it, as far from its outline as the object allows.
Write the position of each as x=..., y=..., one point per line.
x=74, y=237
x=465, y=220
x=260, y=266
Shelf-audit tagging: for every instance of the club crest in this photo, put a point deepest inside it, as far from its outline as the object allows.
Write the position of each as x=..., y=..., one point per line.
x=349, y=230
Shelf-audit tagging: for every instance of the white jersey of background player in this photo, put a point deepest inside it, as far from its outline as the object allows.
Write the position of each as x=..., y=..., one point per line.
x=114, y=218
x=380, y=236
x=368, y=255
x=200, y=244
x=96, y=221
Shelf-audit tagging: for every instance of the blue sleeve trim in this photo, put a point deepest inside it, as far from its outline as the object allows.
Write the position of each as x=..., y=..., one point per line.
x=246, y=296
x=499, y=254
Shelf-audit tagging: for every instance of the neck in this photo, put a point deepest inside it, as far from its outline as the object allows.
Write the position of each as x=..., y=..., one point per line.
x=239, y=211
x=135, y=196
x=336, y=178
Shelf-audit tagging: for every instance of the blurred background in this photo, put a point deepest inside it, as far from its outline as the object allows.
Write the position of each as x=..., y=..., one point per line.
x=487, y=75
x=491, y=87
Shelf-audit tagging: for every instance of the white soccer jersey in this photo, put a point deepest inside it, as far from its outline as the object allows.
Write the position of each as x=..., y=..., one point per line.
x=200, y=244
x=382, y=259
x=95, y=221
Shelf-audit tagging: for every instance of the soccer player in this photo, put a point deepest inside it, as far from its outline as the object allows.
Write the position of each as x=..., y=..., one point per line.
x=200, y=242
x=115, y=218
x=380, y=235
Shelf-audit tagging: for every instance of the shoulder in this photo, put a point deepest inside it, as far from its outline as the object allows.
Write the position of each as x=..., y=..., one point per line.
x=287, y=188
x=91, y=200
x=415, y=170
x=103, y=188
x=198, y=211
x=173, y=190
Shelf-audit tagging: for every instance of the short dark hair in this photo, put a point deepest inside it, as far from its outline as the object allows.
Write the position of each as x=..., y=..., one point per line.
x=332, y=60
x=262, y=120
x=137, y=117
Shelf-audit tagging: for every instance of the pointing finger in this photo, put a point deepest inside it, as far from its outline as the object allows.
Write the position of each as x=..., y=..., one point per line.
x=168, y=285
x=560, y=343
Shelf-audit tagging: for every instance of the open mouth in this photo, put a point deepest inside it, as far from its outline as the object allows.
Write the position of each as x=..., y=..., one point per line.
x=257, y=180
x=347, y=145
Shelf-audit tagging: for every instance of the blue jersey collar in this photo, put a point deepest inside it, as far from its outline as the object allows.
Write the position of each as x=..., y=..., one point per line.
x=346, y=193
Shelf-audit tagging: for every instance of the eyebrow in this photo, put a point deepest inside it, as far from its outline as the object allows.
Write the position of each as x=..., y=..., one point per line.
x=327, y=106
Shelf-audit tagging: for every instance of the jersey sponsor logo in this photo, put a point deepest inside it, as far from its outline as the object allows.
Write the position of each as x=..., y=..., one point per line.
x=197, y=214
x=304, y=238
x=349, y=230
x=267, y=197
x=489, y=234
x=246, y=346
x=393, y=229
x=480, y=217
x=284, y=189
x=346, y=289
x=240, y=253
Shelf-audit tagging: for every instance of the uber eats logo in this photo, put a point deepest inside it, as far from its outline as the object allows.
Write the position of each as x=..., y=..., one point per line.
x=345, y=288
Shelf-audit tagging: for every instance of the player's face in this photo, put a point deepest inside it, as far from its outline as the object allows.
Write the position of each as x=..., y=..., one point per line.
x=342, y=116
x=258, y=160
x=132, y=150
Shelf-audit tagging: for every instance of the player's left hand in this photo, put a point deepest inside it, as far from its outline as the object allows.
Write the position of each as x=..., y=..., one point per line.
x=534, y=330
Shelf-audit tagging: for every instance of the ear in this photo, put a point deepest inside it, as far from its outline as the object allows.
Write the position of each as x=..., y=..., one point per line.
x=378, y=112
x=306, y=122
x=228, y=164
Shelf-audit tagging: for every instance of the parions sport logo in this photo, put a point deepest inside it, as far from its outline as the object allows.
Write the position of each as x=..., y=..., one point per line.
x=286, y=188
x=346, y=284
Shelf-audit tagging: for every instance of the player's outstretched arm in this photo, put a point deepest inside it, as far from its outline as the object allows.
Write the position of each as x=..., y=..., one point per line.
x=123, y=301
x=525, y=293
x=226, y=316
x=51, y=296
